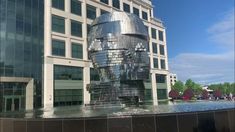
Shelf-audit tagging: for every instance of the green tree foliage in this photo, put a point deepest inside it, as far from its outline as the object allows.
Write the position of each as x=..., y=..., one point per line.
x=179, y=86
x=225, y=88
x=189, y=83
x=197, y=89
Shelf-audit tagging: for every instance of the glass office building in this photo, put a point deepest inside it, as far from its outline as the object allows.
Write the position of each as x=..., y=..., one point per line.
x=43, y=51
x=21, y=54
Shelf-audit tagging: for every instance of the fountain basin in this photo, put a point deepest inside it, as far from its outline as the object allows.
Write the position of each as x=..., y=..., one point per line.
x=202, y=116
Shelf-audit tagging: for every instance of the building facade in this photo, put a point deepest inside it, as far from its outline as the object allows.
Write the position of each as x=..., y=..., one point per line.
x=21, y=44
x=173, y=78
x=47, y=52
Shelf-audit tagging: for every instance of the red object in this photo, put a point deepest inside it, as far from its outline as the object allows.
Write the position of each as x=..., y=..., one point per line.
x=188, y=94
x=217, y=93
x=174, y=94
x=205, y=94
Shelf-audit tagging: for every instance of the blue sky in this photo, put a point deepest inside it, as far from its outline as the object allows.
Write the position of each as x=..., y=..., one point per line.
x=200, y=38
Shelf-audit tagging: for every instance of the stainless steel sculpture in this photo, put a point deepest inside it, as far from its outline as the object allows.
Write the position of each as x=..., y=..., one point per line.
x=117, y=48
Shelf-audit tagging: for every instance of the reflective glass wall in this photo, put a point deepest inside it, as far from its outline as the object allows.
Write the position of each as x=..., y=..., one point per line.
x=21, y=44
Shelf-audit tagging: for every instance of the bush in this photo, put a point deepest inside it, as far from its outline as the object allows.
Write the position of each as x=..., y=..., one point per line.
x=217, y=93
x=174, y=94
x=188, y=94
x=205, y=94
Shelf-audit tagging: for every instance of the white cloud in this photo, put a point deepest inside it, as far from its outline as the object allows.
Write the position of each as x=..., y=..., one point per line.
x=204, y=68
x=210, y=68
x=222, y=32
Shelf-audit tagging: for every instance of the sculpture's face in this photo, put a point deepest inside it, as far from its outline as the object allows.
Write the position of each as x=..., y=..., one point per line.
x=117, y=47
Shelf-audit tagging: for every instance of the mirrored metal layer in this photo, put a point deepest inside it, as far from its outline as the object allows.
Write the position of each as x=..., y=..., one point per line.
x=117, y=47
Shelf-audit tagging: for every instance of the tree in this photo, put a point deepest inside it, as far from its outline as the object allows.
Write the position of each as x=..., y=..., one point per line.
x=225, y=88
x=217, y=93
x=205, y=94
x=179, y=86
x=197, y=88
x=232, y=88
x=174, y=94
x=189, y=83
x=188, y=94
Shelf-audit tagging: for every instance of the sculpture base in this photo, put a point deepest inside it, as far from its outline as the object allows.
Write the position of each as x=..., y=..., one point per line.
x=117, y=93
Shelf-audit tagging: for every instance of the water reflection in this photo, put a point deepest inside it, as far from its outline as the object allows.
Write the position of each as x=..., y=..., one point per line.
x=163, y=107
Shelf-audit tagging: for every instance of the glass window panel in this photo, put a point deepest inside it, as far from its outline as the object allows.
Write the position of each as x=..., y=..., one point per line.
x=77, y=51
x=68, y=73
x=160, y=35
x=162, y=49
x=154, y=47
x=76, y=28
x=59, y=4
x=144, y=15
x=126, y=7
x=58, y=24
x=58, y=47
x=155, y=62
x=91, y=12
x=88, y=28
x=154, y=33
x=160, y=78
x=163, y=64
x=94, y=76
x=162, y=93
x=103, y=12
x=136, y=11
x=105, y=1
x=76, y=7
x=116, y=4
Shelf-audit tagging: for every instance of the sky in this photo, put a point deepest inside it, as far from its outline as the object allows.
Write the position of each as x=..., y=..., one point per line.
x=200, y=38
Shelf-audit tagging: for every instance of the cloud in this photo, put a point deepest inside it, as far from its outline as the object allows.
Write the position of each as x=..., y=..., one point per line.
x=222, y=32
x=210, y=68
x=204, y=68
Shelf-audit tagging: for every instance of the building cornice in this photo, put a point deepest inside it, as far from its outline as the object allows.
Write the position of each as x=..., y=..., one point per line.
x=144, y=3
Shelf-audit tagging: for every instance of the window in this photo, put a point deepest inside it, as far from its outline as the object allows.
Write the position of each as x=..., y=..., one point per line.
x=160, y=78
x=88, y=28
x=105, y=1
x=136, y=11
x=161, y=94
x=162, y=50
x=126, y=7
x=160, y=35
x=58, y=47
x=68, y=73
x=103, y=12
x=59, y=4
x=154, y=47
x=76, y=28
x=147, y=48
x=163, y=64
x=116, y=4
x=147, y=28
x=68, y=85
x=91, y=12
x=58, y=24
x=77, y=51
x=144, y=15
x=94, y=76
x=76, y=7
x=155, y=62
x=154, y=33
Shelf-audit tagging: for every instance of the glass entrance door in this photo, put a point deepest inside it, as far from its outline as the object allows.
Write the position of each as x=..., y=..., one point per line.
x=12, y=103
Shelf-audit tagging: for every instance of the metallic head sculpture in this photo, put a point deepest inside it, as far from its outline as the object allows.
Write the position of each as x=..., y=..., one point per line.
x=117, y=48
